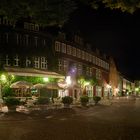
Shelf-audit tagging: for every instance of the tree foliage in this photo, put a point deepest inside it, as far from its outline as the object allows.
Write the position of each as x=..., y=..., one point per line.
x=124, y=5
x=47, y=12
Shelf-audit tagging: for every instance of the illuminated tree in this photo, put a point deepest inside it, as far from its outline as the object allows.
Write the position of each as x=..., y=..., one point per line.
x=124, y=5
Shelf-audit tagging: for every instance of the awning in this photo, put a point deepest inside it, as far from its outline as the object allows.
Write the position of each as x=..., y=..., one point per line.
x=32, y=72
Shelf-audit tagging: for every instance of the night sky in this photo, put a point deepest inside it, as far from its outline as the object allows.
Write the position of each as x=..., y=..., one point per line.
x=113, y=32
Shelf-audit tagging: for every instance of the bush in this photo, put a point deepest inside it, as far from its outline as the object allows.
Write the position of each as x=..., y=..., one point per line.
x=96, y=99
x=7, y=91
x=43, y=100
x=67, y=100
x=84, y=100
x=11, y=101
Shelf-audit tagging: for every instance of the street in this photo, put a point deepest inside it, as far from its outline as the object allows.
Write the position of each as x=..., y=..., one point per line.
x=117, y=121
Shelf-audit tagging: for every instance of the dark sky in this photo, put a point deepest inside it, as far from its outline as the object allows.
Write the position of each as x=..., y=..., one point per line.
x=114, y=32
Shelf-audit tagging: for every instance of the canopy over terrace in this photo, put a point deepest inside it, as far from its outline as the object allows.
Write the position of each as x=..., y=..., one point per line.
x=32, y=72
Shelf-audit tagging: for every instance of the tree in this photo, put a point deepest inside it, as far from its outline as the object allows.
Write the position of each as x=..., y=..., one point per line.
x=124, y=5
x=46, y=12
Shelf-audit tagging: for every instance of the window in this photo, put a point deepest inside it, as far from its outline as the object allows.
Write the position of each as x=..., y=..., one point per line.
x=60, y=65
x=36, y=62
x=83, y=55
x=86, y=56
x=93, y=59
x=90, y=71
x=96, y=61
x=6, y=37
x=74, y=51
x=79, y=69
x=43, y=63
x=65, y=65
x=90, y=58
x=69, y=50
x=98, y=73
x=36, y=40
x=28, y=62
x=36, y=27
x=7, y=61
x=63, y=48
x=44, y=42
x=78, y=53
x=26, y=39
x=16, y=60
x=57, y=46
x=87, y=71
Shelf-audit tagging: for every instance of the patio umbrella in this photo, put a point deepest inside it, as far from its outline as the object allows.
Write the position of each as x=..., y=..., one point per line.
x=52, y=86
x=38, y=86
x=21, y=84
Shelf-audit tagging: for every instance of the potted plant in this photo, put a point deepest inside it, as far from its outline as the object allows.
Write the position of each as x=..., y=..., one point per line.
x=42, y=101
x=11, y=103
x=67, y=100
x=96, y=99
x=84, y=100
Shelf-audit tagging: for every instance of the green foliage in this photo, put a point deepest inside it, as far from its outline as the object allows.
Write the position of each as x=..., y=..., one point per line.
x=84, y=100
x=46, y=12
x=67, y=100
x=43, y=100
x=124, y=5
x=96, y=99
x=11, y=101
x=7, y=91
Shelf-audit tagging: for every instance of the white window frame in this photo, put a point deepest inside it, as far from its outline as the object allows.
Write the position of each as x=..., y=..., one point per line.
x=64, y=48
x=28, y=62
x=16, y=61
x=7, y=61
x=37, y=62
x=57, y=46
x=74, y=51
x=69, y=49
x=43, y=63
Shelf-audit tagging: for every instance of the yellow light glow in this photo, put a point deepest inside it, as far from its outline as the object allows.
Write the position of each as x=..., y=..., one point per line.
x=45, y=79
x=3, y=78
x=68, y=80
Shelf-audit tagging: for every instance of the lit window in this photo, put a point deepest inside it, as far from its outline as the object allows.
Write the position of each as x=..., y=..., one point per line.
x=83, y=55
x=69, y=49
x=78, y=53
x=57, y=46
x=63, y=48
x=36, y=62
x=43, y=63
x=74, y=51
x=16, y=60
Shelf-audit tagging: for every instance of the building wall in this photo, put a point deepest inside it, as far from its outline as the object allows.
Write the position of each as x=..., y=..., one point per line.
x=25, y=45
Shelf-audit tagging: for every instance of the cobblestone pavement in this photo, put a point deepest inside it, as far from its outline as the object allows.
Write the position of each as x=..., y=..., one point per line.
x=118, y=121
